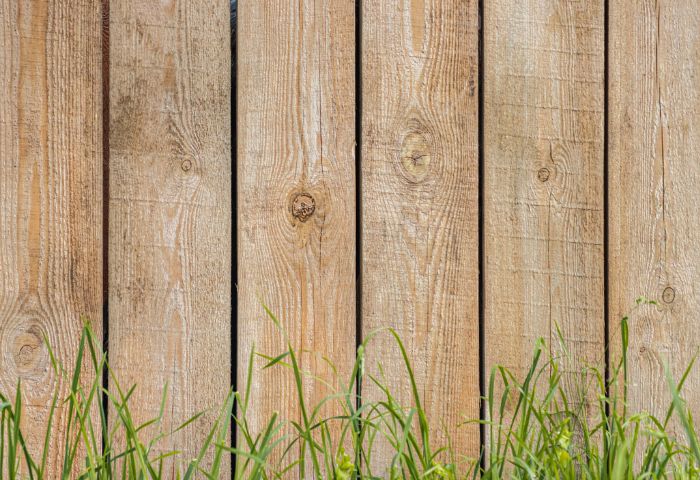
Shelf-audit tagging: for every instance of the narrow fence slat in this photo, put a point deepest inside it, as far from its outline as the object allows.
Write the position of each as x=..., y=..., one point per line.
x=296, y=194
x=420, y=207
x=50, y=199
x=543, y=184
x=170, y=209
x=653, y=194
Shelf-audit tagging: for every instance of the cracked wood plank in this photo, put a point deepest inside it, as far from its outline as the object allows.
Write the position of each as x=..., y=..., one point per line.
x=420, y=207
x=170, y=210
x=543, y=183
x=654, y=198
x=296, y=195
x=50, y=200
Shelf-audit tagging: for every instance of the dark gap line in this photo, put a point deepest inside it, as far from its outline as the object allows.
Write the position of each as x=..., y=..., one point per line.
x=482, y=329
x=358, y=189
x=233, y=12
x=105, y=215
x=606, y=203
x=358, y=208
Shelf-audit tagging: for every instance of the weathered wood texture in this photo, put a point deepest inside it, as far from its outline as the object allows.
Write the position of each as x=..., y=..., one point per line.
x=169, y=197
x=420, y=204
x=544, y=90
x=170, y=207
x=50, y=196
x=296, y=193
x=654, y=175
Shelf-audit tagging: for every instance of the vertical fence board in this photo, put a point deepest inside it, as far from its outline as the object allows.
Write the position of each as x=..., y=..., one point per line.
x=420, y=204
x=296, y=193
x=653, y=190
x=50, y=197
x=543, y=182
x=170, y=208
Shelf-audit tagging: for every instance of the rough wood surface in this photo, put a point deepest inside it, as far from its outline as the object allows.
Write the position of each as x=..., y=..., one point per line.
x=420, y=205
x=170, y=208
x=544, y=92
x=50, y=197
x=296, y=193
x=654, y=198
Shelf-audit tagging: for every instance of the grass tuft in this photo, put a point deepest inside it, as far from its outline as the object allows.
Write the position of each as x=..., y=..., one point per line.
x=536, y=428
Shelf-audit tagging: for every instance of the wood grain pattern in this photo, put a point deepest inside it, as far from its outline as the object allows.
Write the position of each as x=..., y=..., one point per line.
x=544, y=92
x=170, y=208
x=420, y=205
x=654, y=198
x=296, y=193
x=50, y=197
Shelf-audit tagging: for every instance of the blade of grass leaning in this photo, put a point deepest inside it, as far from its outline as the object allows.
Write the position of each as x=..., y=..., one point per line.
x=681, y=411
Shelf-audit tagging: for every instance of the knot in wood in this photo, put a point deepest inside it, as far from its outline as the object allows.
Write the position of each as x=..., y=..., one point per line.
x=668, y=295
x=303, y=206
x=27, y=349
x=415, y=156
x=25, y=355
x=186, y=165
x=543, y=174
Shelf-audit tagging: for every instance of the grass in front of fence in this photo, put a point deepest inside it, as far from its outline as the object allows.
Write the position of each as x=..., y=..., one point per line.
x=535, y=431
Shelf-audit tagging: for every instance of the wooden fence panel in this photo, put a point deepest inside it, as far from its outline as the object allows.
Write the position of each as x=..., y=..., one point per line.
x=296, y=193
x=420, y=204
x=170, y=181
x=50, y=197
x=544, y=93
x=653, y=189
x=170, y=207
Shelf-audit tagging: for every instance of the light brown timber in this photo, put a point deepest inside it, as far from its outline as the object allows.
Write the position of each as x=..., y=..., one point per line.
x=50, y=200
x=654, y=175
x=420, y=206
x=544, y=186
x=296, y=195
x=170, y=210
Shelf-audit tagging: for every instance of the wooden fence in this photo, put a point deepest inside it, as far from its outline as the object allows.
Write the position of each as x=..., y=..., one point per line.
x=472, y=173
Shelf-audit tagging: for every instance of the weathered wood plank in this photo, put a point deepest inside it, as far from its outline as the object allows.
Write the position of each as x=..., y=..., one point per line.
x=653, y=189
x=296, y=192
x=170, y=207
x=420, y=204
x=50, y=197
x=544, y=93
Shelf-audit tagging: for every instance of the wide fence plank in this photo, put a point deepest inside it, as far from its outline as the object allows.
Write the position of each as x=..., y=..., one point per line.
x=420, y=207
x=544, y=90
x=654, y=197
x=50, y=198
x=170, y=209
x=296, y=195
